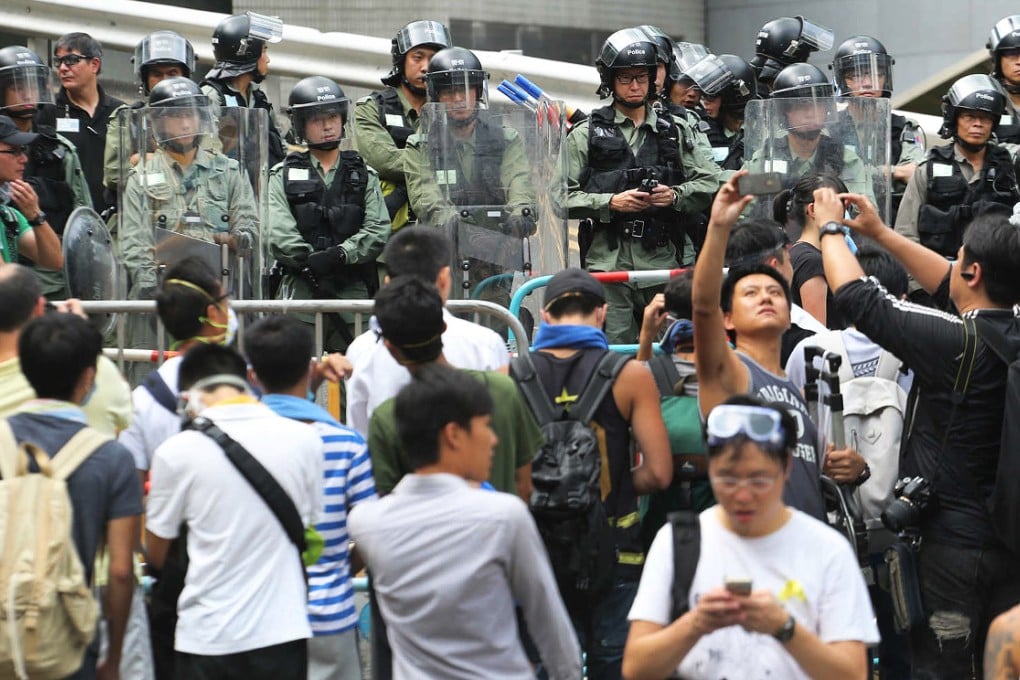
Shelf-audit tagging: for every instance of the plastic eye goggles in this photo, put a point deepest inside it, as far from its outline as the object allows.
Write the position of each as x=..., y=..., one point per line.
x=761, y=425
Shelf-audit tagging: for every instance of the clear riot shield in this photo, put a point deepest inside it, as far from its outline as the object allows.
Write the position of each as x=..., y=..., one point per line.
x=496, y=186
x=91, y=269
x=796, y=137
x=195, y=184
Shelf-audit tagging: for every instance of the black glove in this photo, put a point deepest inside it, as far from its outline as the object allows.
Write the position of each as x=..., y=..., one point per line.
x=326, y=262
x=520, y=226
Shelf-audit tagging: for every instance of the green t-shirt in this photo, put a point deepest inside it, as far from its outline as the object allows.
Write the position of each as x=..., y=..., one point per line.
x=9, y=216
x=512, y=421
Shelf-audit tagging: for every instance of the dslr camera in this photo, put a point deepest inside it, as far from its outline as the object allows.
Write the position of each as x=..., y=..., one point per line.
x=913, y=495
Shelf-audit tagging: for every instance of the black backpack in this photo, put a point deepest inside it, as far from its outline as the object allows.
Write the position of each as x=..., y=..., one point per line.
x=566, y=476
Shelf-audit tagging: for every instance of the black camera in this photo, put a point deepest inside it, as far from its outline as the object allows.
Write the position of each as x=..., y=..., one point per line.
x=913, y=495
x=648, y=184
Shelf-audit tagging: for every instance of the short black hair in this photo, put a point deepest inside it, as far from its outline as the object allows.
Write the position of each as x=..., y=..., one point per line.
x=993, y=241
x=279, y=348
x=436, y=396
x=754, y=241
x=55, y=350
x=877, y=262
x=420, y=251
x=187, y=290
x=786, y=420
x=789, y=204
x=735, y=274
x=206, y=360
x=574, y=304
x=678, y=295
x=20, y=290
x=409, y=312
x=83, y=42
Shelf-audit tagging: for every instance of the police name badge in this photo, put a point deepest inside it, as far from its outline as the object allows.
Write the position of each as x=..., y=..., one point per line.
x=720, y=153
x=297, y=174
x=446, y=177
x=68, y=125
x=941, y=170
x=230, y=100
x=779, y=166
x=191, y=217
x=1006, y=119
x=154, y=179
x=394, y=120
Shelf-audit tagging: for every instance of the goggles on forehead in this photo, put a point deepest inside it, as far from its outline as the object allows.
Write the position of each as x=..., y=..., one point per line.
x=761, y=425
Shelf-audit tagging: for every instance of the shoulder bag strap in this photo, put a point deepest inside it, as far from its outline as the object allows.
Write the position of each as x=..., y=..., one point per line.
x=76, y=451
x=598, y=386
x=522, y=369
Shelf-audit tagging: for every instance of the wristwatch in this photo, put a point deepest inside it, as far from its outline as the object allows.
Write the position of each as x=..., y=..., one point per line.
x=785, y=633
x=38, y=220
x=830, y=228
x=864, y=476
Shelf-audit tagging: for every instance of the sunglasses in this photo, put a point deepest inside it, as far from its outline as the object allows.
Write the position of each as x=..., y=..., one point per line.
x=16, y=151
x=761, y=425
x=71, y=59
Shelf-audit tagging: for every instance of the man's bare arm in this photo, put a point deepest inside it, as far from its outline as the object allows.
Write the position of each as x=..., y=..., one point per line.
x=636, y=394
x=121, y=534
x=1002, y=649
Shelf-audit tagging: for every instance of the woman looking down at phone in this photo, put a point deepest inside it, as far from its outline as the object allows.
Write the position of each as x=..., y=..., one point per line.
x=776, y=594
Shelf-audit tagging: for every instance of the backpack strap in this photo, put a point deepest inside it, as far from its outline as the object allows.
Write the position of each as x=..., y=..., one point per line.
x=522, y=369
x=598, y=386
x=996, y=340
x=889, y=366
x=8, y=451
x=76, y=451
x=666, y=376
x=160, y=391
x=832, y=341
x=686, y=550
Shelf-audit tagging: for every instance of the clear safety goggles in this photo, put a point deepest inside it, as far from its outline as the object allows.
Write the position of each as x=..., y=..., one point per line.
x=761, y=425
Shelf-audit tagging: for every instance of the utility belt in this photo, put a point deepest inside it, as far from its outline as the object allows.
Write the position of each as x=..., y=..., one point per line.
x=366, y=273
x=652, y=233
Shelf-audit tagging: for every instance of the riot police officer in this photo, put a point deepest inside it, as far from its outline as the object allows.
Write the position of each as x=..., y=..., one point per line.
x=53, y=169
x=241, y=47
x=785, y=41
x=680, y=89
x=630, y=177
x=1004, y=50
x=959, y=181
x=862, y=68
x=159, y=55
x=184, y=187
x=726, y=83
x=385, y=119
x=327, y=217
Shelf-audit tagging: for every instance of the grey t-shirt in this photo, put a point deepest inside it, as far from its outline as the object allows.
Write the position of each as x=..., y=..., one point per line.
x=803, y=490
x=103, y=488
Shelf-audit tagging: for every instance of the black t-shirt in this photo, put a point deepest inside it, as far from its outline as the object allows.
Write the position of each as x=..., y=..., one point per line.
x=807, y=264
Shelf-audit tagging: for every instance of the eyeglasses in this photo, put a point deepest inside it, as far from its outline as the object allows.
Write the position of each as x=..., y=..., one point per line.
x=71, y=59
x=755, y=485
x=16, y=151
x=627, y=79
x=761, y=425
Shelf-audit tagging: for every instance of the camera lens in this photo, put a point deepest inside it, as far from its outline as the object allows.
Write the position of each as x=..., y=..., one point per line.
x=899, y=515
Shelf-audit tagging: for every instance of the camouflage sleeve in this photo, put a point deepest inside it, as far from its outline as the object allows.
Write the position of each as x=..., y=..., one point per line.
x=374, y=142
x=912, y=140
x=516, y=173
x=244, y=217
x=137, y=239
x=702, y=177
x=423, y=192
x=368, y=243
x=285, y=241
x=914, y=197
x=111, y=153
x=581, y=204
x=75, y=176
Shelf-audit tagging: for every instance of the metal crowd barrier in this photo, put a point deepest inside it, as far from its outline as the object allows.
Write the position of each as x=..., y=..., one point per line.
x=360, y=308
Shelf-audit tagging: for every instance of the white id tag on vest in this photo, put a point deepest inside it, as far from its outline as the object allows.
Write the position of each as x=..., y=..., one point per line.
x=446, y=176
x=230, y=100
x=154, y=179
x=779, y=166
x=67, y=124
x=297, y=174
x=720, y=153
x=393, y=120
x=941, y=170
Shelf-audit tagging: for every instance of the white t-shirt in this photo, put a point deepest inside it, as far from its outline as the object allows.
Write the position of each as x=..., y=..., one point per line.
x=151, y=424
x=244, y=588
x=809, y=567
x=377, y=376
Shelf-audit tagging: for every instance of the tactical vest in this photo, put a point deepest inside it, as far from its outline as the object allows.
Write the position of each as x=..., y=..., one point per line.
x=733, y=147
x=896, y=127
x=259, y=100
x=389, y=105
x=10, y=226
x=485, y=187
x=45, y=172
x=326, y=216
x=613, y=167
x=828, y=158
x=952, y=202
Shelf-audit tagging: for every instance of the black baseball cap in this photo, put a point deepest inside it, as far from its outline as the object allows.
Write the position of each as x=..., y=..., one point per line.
x=10, y=134
x=573, y=282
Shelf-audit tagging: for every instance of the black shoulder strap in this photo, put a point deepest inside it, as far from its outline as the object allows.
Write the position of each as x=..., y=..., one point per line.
x=522, y=370
x=160, y=391
x=665, y=374
x=261, y=480
x=598, y=386
x=686, y=551
x=996, y=340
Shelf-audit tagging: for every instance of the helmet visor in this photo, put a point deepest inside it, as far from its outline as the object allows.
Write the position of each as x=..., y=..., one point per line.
x=809, y=113
x=620, y=41
x=1005, y=28
x=320, y=123
x=461, y=91
x=264, y=27
x=710, y=75
x=976, y=91
x=863, y=73
x=183, y=120
x=422, y=33
x=817, y=37
x=164, y=46
x=26, y=85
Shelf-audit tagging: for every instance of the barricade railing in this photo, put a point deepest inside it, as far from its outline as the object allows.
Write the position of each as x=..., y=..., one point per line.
x=648, y=276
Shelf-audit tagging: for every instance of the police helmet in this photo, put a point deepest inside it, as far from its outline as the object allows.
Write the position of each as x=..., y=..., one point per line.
x=415, y=34
x=785, y=41
x=31, y=80
x=627, y=48
x=865, y=60
x=316, y=96
x=162, y=48
x=177, y=98
x=685, y=55
x=238, y=42
x=456, y=67
x=663, y=43
x=801, y=80
x=1004, y=36
x=975, y=92
x=742, y=88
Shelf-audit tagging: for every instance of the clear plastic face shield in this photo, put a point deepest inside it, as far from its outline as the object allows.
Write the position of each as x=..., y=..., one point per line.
x=25, y=87
x=462, y=92
x=320, y=123
x=813, y=36
x=164, y=47
x=180, y=124
x=686, y=55
x=806, y=110
x=618, y=42
x=262, y=27
x=710, y=75
x=422, y=33
x=867, y=75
